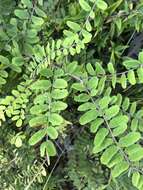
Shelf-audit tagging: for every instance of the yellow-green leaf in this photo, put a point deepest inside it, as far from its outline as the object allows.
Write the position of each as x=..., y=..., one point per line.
x=129, y=139
x=52, y=132
x=131, y=77
x=100, y=136
x=135, y=178
x=74, y=26
x=55, y=119
x=108, y=154
x=101, y=5
x=60, y=83
x=37, y=137
x=120, y=168
x=85, y=6
x=88, y=117
x=112, y=111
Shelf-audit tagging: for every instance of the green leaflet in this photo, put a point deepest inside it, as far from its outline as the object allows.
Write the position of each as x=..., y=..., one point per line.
x=139, y=114
x=99, y=69
x=120, y=168
x=140, y=57
x=18, y=142
x=100, y=136
x=19, y=123
x=2, y=81
x=78, y=86
x=46, y=72
x=90, y=69
x=15, y=118
x=86, y=106
x=137, y=155
x=18, y=61
x=135, y=152
x=55, y=119
x=74, y=26
x=111, y=68
x=114, y=6
x=22, y=14
x=4, y=60
x=92, y=83
x=38, y=109
x=140, y=185
x=42, y=98
x=88, y=117
x=120, y=130
x=3, y=74
x=101, y=85
x=60, y=83
x=108, y=154
x=88, y=26
x=15, y=68
x=123, y=81
x=85, y=6
x=93, y=92
x=135, y=178
x=58, y=106
x=38, y=121
x=129, y=139
x=116, y=159
x=126, y=104
x=48, y=148
x=132, y=149
x=104, y=102
x=108, y=94
x=71, y=67
x=41, y=85
x=106, y=143
x=92, y=14
x=52, y=132
x=82, y=98
x=42, y=149
x=118, y=121
x=131, y=77
x=96, y=124
x=101, y=4
x=87, y=36
x=134, y=124
x=131, y=64
x=40, y=12
x=140, y=74
x=114, y=80
x=112, y=111
x=37, y=20
x=119, y=99
x=27, y=3
x=37, y=137
x=133, y=108
x=59, y=94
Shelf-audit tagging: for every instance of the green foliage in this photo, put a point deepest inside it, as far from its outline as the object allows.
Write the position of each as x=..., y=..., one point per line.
x=71, y=112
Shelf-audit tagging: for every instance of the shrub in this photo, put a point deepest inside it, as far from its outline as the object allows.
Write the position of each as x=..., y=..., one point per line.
x=71, y=75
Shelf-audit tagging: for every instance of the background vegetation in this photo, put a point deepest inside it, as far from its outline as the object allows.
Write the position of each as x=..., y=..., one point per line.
x=71, y=84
